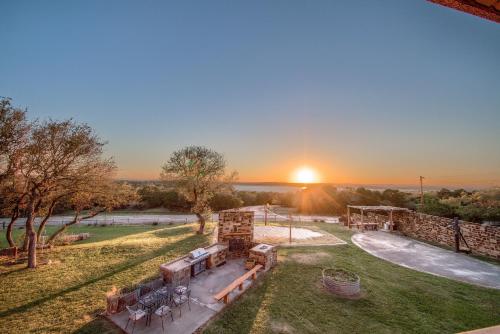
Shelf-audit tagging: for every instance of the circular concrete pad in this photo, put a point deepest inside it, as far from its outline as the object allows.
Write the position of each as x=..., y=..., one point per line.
x=423, y=257
x=298, y=233
x=279, y=235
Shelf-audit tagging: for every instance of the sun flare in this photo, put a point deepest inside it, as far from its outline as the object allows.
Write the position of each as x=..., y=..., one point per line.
x=305, y=175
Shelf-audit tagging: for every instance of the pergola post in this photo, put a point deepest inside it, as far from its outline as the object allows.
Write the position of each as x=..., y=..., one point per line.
x=362, y=224
x=391, y=223
x=348, y=217
x=387, y=210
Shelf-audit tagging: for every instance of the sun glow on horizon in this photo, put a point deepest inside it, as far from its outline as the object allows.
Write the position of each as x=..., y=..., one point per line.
x=305, y=175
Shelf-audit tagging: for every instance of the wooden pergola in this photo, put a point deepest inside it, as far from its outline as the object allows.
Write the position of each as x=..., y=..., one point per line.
x=372, y=208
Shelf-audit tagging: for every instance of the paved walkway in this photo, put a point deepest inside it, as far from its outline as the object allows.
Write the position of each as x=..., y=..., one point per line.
x=430, y=259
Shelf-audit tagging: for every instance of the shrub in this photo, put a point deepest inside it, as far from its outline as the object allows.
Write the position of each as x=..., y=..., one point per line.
x=433, y=206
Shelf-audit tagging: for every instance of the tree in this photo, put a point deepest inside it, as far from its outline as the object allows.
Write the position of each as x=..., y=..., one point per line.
x=61, y=158
x=433, y=206
x=198, y=173
x=224, y=201
x=444, y=193
x=14, y=132
x=153, y=196
x=395, y=197
x=95, y=198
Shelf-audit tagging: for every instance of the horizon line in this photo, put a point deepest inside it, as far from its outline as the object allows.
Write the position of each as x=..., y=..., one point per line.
x=345, y=184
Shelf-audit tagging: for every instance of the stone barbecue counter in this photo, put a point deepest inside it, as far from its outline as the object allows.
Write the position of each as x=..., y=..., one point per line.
x=265, y=255
x=177, y=264
x=180, y=270
x=213, y=249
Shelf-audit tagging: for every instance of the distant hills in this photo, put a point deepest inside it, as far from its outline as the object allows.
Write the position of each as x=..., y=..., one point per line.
x=268, y=186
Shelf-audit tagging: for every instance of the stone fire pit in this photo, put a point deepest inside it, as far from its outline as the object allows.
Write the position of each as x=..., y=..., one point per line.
x=341, y=282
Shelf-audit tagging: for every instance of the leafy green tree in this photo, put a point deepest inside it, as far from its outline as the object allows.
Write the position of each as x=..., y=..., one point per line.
x=198, y=174
x=248, y=197
x=93, y=198
x=395, y=197
x=368, y=197
x=471, y=213
x=444, y=193
x=174, y=201
x=433, y=206
x=60, y=159
x=224, y=201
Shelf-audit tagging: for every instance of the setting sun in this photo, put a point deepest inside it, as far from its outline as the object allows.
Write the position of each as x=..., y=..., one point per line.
x=305, y=175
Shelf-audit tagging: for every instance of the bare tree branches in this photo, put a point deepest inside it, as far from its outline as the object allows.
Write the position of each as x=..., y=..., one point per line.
x=46, y=163
x=14, y=135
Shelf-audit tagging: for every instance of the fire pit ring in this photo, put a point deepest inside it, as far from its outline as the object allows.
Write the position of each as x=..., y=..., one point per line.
x=341, y=282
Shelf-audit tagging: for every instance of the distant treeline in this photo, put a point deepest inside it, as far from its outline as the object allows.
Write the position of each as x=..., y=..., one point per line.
x=476, y=206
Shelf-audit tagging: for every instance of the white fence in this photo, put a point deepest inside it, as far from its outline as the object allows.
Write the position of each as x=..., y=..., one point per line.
x=134, y=219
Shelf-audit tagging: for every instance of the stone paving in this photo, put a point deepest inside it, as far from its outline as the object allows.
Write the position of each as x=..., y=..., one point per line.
x=203, y=305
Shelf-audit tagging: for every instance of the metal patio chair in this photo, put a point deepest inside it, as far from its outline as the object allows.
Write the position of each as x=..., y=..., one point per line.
x=181, y=299
x=162, y=311
x=134, y=315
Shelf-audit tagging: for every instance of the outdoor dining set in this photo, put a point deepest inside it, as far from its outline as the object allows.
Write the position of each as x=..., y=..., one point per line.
x=159, y=301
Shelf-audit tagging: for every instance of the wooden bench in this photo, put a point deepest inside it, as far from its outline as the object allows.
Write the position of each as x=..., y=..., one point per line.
x=366, y=226
x=237, y=283
x=371, y=226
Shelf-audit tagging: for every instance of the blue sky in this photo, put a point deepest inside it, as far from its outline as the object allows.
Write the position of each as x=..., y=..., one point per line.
x=362, y=91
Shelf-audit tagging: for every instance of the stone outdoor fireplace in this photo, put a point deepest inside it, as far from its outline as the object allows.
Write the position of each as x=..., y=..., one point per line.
x=236, y=245
x=236, y=231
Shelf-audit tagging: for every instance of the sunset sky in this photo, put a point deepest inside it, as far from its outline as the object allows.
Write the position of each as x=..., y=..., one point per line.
x=359, y=91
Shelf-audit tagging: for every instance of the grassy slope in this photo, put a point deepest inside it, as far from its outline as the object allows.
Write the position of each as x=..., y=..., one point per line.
x=396, y=300
x=65, y=297
x=98, y=233
x=126, y=212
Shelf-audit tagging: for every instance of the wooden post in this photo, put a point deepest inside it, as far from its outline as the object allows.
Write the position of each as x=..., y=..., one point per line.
x=362, y=223
x=265, y=215
x=348, y=217
x=226, y=299
x=391, y=224
x=421, y=191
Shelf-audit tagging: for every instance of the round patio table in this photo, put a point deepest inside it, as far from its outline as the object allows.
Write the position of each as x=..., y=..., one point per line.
x=148, y=303
x=180, y=290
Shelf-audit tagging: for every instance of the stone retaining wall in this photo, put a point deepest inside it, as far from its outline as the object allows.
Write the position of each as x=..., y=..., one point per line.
x=482, y=239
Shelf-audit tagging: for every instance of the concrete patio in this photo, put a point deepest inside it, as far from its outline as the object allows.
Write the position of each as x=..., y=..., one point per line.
x=203, y=305
x=420, y=256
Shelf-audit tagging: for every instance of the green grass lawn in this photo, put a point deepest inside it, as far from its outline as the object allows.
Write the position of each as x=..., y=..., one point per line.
x=66, y=296
x=98, y=233
x=126, y=212
x=395, y=299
